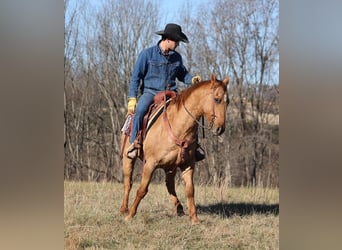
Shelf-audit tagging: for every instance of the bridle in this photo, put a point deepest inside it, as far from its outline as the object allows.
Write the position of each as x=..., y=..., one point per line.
x=213, y=116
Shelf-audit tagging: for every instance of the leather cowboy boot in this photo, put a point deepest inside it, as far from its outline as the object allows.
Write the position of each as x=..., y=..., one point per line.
x=132, y=151
x=199, y=154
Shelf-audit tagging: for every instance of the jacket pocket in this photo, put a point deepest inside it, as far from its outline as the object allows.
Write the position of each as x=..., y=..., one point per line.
x=174, y=69
x=157, y=68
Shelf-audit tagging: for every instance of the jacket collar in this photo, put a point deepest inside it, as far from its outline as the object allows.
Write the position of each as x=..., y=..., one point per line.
x=161, y=52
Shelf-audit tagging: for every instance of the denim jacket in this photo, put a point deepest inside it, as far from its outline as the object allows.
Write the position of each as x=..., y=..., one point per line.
x=157, y=71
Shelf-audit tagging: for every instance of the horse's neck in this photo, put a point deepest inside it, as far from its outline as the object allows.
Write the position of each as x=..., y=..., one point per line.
x=195, y=103
x=183, y=123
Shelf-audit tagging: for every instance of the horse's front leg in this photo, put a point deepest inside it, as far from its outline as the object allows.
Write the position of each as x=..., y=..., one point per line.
x=148, y=170
x=170, y=184
x=190, y=191
x=127, y=169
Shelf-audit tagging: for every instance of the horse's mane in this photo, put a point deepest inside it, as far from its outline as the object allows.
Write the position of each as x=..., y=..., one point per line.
x=184, y=94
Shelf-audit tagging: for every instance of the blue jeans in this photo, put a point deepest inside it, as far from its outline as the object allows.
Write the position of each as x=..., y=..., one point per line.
x=144, y=102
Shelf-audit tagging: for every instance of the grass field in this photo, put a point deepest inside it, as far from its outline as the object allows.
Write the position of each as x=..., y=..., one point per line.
x=230, y=218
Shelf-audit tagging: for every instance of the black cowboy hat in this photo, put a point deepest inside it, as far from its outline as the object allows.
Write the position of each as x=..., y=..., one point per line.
x=173, y=32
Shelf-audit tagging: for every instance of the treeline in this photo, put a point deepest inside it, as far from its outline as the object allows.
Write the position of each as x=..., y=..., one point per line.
x=234, y=38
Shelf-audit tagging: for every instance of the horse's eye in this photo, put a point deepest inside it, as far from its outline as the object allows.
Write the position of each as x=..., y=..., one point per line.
x=217, y=100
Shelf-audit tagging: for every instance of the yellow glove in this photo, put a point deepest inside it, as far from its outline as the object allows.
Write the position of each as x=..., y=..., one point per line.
x=196, y=79
x=132, y=103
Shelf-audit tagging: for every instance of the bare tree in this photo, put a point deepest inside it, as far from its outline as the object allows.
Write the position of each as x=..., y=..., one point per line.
x=71, y=51
x=249, y=39
x=240, y=39
x=101, y=46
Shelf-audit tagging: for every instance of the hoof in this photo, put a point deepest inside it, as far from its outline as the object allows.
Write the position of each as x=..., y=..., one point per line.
x=128, y=218
x=195, y=222
x=180, y=211
x=123, y=211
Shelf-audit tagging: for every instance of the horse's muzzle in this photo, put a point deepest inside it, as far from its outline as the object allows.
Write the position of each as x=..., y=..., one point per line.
x=218, y=130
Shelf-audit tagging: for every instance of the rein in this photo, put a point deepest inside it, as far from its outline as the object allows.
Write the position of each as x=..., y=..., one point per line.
x=182, y=143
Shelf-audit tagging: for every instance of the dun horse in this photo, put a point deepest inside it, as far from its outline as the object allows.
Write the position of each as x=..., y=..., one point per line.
x=171, y=142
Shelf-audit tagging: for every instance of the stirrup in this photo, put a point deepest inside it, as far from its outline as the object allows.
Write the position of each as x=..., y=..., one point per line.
x=199, y=153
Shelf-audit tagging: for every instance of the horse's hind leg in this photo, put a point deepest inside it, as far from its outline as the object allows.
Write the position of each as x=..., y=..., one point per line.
x=190, y=191
x=142, y=190
x=127, y=169
x=170, y=184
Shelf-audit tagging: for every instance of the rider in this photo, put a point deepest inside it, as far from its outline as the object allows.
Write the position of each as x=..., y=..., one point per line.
x=156, y=70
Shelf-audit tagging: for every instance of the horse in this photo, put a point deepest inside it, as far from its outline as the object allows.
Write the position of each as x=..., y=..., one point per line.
x=171, y=143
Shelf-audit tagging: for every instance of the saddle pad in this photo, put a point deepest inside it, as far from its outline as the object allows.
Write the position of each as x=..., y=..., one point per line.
x=125, y=127
x=156, y=114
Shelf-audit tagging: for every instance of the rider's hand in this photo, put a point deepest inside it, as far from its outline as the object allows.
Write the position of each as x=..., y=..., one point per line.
x=196, y=79
x=132, y=103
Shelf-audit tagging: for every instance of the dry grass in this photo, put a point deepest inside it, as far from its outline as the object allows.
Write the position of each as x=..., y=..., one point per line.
x=233, y=218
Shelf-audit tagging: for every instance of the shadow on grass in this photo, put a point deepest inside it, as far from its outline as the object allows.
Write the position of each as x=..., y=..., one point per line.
x=239, y=209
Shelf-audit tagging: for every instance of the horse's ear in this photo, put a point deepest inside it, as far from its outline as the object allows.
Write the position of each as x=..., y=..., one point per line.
x=226, y=81
x=213, y=80
x=213, y=77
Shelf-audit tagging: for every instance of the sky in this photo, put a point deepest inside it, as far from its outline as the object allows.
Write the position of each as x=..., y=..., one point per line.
x=171, y=8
